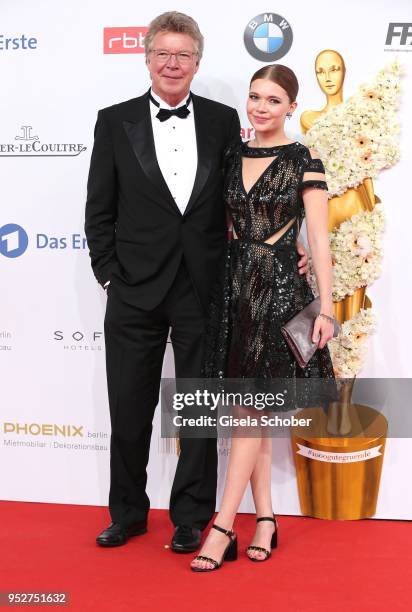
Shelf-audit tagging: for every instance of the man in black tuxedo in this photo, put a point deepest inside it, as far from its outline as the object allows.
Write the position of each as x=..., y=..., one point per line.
x=155, y=225
x=156, y=229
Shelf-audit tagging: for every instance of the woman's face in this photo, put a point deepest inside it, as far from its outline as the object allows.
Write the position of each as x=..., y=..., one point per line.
x=330, y=72
x=267, y=105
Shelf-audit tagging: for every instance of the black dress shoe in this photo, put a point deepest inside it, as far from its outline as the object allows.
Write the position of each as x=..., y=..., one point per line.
x=117, y=535
x=186, y=539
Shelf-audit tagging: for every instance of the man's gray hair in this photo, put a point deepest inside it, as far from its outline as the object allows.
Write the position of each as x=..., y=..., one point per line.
x=173, y=21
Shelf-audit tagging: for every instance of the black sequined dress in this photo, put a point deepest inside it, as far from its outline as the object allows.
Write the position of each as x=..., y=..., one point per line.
x=259, y=288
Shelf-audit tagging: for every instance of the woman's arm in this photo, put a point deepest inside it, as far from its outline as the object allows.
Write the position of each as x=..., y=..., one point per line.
x=316, y=212
x=315, y=201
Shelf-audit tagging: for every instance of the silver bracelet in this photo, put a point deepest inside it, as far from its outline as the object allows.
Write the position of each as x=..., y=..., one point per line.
x=327, y=317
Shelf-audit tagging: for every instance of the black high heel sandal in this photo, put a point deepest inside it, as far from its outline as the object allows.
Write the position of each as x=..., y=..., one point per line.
x=273, y=542
x=230, y=553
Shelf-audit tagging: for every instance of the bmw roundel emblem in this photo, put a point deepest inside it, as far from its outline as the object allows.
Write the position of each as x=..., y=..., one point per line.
x=268, y=37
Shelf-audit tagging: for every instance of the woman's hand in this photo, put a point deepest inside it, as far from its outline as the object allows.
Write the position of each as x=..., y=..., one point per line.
x=303, y=262
x=322, y=331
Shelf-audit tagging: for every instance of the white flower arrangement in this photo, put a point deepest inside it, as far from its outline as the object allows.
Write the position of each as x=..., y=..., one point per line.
x=356, y=247
x=348, y=349
x=359, y=137
x=357, y=256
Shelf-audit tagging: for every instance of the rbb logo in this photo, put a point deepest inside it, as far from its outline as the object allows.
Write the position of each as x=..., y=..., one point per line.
x=13, y=240
x=124, y=40
x=401, y=31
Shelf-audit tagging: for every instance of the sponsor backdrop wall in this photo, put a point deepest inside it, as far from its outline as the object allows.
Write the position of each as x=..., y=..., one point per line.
x=59, y=65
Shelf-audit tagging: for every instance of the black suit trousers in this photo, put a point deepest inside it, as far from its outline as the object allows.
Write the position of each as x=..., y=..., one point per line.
x=135, y=345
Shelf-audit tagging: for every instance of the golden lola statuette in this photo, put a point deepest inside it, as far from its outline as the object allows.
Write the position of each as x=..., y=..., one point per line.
x=330, y=73
x=339, y=457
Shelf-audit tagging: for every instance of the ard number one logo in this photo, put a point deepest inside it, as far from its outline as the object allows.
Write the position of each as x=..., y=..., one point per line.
x=13, y=240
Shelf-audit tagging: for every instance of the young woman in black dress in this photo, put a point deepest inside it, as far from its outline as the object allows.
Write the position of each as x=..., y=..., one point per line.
x=271, y=185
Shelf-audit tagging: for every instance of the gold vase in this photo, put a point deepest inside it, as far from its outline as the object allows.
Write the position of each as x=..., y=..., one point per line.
x=338, y=477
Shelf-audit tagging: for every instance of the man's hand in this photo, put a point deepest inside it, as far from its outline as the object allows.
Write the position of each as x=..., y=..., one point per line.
x=303, y=259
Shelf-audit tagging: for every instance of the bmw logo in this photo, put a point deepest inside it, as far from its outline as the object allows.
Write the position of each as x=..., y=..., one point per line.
x=268, y=37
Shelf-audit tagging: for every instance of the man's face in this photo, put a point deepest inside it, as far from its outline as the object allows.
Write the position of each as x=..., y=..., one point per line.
x=171, y=79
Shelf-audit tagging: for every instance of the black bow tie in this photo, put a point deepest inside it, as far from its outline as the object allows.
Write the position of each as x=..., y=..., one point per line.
x=164, y=113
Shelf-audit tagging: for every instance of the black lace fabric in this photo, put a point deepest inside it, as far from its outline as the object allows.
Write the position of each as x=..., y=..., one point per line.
x=259, y=287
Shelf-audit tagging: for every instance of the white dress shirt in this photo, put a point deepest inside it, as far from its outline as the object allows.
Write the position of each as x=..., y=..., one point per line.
x=176, y=151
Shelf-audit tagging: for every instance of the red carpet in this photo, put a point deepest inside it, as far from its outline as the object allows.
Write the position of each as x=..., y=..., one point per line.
x=322, y=566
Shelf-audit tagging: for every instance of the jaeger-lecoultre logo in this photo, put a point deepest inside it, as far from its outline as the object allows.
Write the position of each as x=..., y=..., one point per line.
x=28, y=144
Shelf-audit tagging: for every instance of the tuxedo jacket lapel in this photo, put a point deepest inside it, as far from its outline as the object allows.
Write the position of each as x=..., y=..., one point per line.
x=204, y=152
x=140, y=134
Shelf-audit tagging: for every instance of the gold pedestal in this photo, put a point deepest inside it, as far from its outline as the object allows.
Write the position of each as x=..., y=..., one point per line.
x=338, y=477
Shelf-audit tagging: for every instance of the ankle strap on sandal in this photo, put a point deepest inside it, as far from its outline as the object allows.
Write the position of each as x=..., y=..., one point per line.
x=266, y=518
x=228, y=532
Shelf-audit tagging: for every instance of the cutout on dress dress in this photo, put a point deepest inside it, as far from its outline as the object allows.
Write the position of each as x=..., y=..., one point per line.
x=313, y=176
x=314, y=180
x=275, y=237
